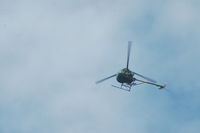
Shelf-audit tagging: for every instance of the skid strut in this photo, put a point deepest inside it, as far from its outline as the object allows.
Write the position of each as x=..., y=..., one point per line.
x=124, y=87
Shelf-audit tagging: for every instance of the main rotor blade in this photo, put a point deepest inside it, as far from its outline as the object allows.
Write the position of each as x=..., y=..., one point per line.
x=105, y=79
x=128, y=54
x=149, y=79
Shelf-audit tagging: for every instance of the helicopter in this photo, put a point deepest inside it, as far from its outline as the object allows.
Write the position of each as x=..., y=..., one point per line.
x=127, y=78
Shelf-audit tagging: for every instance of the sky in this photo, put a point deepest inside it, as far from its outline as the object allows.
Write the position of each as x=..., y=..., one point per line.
x=53, y=51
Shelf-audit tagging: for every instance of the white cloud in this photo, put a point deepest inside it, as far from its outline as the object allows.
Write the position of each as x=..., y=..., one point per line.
x=53, y=51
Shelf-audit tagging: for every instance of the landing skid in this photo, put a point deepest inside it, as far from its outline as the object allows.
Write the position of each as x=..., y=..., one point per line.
x=126, y=87
x=123, y=88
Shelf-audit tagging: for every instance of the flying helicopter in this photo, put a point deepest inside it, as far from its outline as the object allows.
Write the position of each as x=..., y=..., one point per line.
x=128, y=78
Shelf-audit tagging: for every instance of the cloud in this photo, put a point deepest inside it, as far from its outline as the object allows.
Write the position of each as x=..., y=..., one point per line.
x=52, y=52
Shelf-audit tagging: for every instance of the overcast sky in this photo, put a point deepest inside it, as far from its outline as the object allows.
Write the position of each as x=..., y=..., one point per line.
x=53, y=51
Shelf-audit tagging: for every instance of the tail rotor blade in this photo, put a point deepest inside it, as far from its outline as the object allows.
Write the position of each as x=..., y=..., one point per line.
x=149, y=79
x=106, y=78
x=128, y=54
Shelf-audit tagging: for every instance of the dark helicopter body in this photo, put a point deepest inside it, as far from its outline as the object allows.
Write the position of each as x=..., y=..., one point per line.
x=127, y=79
x=125, y=76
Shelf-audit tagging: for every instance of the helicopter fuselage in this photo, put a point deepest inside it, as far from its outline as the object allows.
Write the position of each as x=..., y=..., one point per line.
x=125, y=76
